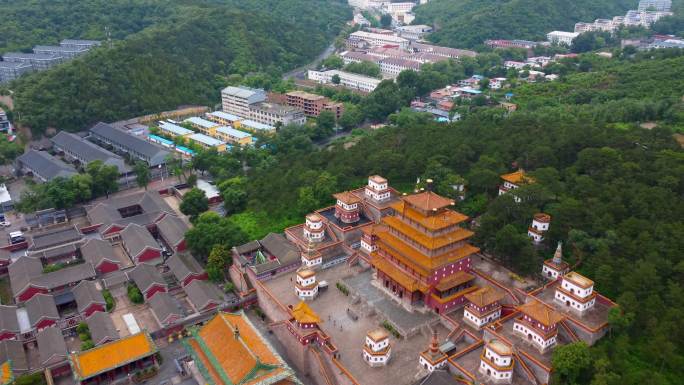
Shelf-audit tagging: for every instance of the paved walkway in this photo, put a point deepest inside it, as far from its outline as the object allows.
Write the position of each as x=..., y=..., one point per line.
x=407, y=321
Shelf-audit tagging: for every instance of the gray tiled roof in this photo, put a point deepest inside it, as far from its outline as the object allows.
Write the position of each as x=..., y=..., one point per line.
x=55, y=237
x=22, y=271
x=87, y=151
x=13, y=350
x=65, y=276
x=51, y=346
x=55, y=251
x=86, y=293
x=151, y=203
x=248, y=247
x=102, y=328
x=95, y=251
x=41, y=306
x=136, y=239
x=156, y=154
x=202, y=293
x=47, y=166
x=163, y=306
x=8, y=319
x=283, y=249
x=183, y=265
x=145, y=276
x=172, y=229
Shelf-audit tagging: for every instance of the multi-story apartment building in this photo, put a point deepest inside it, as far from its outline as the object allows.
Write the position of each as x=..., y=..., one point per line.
x=511, y=44
x=79, y=44
x=272, y=114
x=346, y=79
x=561, y=37
x=453, y=53
x=237, y=100
x=413, y=32
x=38, y=61
x=655, y=5
x=375, y=39
x=12, y=70
x=64, y=52
x=312, y=104
x=392, y=67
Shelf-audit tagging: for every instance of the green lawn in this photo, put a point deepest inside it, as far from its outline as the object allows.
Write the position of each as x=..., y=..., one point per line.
x=257, y=224
x=5, y=291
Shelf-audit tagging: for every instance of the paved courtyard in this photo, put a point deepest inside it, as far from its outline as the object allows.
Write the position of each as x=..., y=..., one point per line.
x=348, y=335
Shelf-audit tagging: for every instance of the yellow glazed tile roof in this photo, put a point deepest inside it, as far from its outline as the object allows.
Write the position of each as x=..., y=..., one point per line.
x=112, y=355
x=237, y=356
x=6, y=373
x=304, y=314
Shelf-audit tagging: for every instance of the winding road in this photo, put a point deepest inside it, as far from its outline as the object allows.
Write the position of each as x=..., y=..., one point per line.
x=300, y=72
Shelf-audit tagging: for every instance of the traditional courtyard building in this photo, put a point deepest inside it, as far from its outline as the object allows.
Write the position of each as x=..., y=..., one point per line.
x=513, y=181
x=555, y=267
x=423, y=254
x=540, y=225
x=576, y=292
x=496, y=362
x=538, y=323
x=483, y=306
x=306, y=286
x=377, y=349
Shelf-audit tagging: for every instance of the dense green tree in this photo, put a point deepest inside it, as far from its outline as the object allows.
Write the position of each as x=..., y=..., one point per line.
x=142, y=174
x=209, y=230
x=335, y=79
x=104, y=177
x=233, y=194
x=569, y=361
x=325, y=123
x=386, y=20
x=217, y=263
x=194, y=203
x=351, y=117
x=367, y=68
x=332, y=62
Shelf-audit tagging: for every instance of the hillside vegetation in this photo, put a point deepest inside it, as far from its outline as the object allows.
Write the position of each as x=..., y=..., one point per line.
x=184, y=60
x=468, y=23
x=26, y=23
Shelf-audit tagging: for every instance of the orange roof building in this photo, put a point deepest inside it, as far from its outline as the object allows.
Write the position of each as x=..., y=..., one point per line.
x=421, y=253
x=483, y=306
x=111, y=361
x=513, y=181
x=229, y=350
x=538, y=324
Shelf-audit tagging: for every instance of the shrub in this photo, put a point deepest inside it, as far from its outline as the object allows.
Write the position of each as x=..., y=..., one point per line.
x=385, y=324
x=109, y=300
x=342, y=288
x=86, y=345
x=134, y=294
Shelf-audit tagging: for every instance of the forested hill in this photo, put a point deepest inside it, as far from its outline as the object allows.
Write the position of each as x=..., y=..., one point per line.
x=183, y=60
x=26, y=23
x=468, y=23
